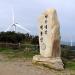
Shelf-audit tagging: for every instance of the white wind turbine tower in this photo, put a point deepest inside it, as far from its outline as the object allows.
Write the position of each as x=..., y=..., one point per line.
x=71, y=41
x=16, y=25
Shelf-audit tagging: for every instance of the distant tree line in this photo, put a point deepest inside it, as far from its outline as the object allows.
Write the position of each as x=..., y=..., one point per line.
x=12, y=37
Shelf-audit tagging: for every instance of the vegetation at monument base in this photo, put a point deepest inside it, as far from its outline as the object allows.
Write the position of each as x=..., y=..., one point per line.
x=9, y=47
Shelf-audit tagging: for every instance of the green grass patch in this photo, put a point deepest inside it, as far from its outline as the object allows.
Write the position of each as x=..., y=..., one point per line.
x=18, y=53
x=70, y=65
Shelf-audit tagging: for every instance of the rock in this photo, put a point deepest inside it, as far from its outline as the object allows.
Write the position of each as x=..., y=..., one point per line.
x=49, y=34
x=54, y=63
x=49, y=40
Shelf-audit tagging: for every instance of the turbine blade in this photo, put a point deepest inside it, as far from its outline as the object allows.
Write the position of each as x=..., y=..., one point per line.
x=23, y=28
x=8, y=28
x=13, y=16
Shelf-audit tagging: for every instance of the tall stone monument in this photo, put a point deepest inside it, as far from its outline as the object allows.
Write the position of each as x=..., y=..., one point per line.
x=49, y=40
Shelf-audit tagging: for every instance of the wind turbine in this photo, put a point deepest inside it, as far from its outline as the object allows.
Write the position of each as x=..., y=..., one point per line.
x=16, y=25
x=71, y=42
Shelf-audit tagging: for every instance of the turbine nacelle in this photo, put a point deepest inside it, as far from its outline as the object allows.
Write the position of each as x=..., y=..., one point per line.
x=13, y=25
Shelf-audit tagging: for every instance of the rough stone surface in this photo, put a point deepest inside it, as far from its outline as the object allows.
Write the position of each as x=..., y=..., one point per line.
x=55, y=63
x=49, y=40
x=49, y=34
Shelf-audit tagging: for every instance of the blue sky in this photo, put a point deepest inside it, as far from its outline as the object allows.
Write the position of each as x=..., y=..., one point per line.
x=28, y=11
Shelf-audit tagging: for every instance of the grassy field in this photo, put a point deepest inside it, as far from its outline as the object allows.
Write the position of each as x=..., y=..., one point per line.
x=70, y=65
x=21, y=53
x=18, y=53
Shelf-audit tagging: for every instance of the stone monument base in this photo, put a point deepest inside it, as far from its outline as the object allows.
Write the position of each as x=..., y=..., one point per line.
x=55, y=63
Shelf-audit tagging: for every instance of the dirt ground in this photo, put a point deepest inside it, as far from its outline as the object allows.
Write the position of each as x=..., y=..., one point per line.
x=25, y=67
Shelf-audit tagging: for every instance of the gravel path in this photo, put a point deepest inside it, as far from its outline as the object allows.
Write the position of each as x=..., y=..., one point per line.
x=27, y=68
